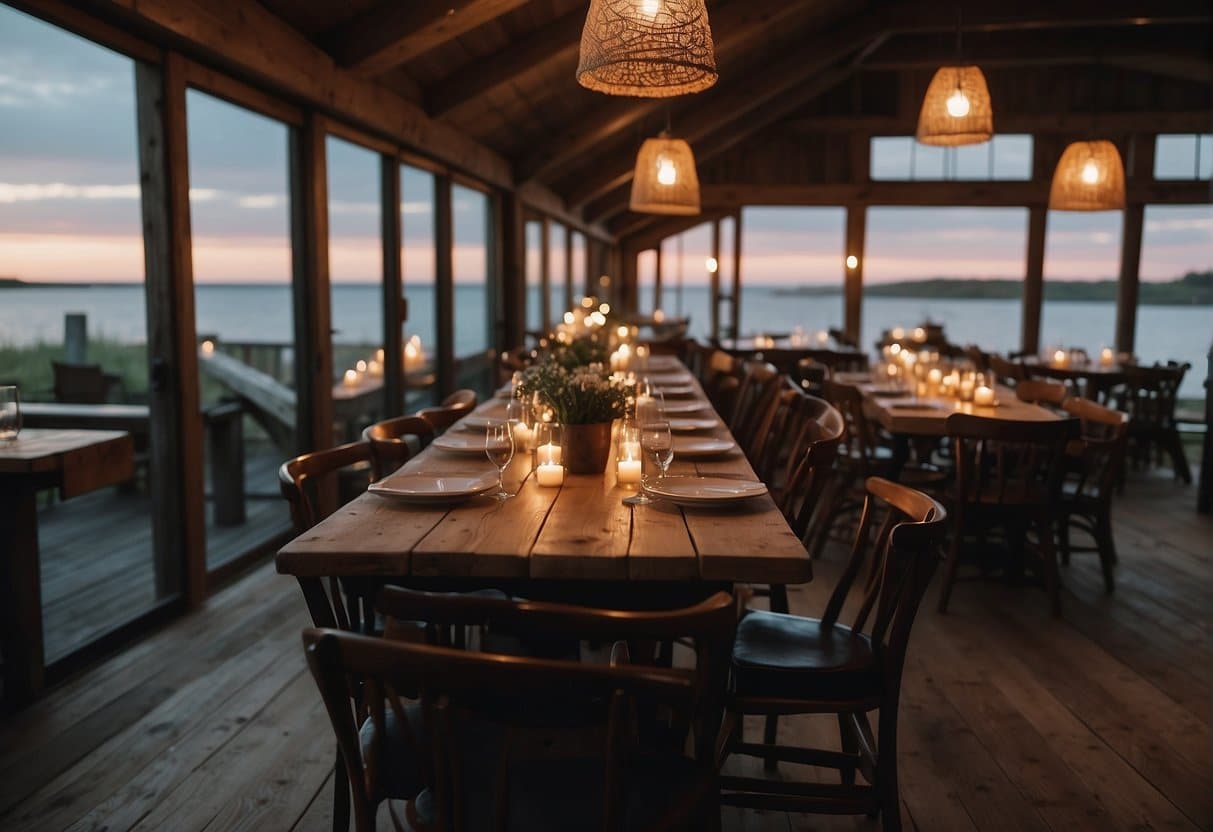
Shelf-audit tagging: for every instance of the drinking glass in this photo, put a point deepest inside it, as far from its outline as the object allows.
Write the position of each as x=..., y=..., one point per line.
x=651, y=406
x=499, y=448
x=10, y=412
x=658, y=445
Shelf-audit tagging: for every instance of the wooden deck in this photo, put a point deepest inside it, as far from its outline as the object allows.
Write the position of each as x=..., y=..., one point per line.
x=1010, y=720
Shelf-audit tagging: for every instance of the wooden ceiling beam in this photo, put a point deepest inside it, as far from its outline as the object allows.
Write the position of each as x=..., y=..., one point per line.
x=1168, y=121
x=557, y=42
x=395, y=31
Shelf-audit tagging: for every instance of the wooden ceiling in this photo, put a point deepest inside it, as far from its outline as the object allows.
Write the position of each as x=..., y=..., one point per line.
x=502, y=72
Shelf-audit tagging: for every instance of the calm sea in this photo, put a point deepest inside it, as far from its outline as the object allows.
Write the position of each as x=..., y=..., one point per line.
x=263, y=314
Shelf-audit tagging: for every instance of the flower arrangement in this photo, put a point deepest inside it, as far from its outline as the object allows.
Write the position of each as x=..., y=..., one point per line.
x=579, y=352
x=577, y=396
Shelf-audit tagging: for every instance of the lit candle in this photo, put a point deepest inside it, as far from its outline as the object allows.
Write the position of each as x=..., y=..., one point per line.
x=350, y=379
x=983, y=396
x=548, y=454
x=628, y=472
x=1106, y=356
x=374, y=367
x=208, y=347
x=1059, y=358
x=629, y=449
x=550, y=474
x=892, y=371
x=920, y=334
x=935, y=376
x=965, y=389
x=898, y=333
x=522, y=436
x=823, y=337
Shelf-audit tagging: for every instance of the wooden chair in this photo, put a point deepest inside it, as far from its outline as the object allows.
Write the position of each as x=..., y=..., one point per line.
x=812, y=375
x=83, y=383
x=842, y=339
x=721, y=380
x=759, y=386
x=478, y=741
x=1041, y=391
x=979, y=357
x=1006, y=372
x=1086, y=493
x=1149, y=397
x=1008, y=475
x=395, y=441
x=453, y=408
x=785, y=664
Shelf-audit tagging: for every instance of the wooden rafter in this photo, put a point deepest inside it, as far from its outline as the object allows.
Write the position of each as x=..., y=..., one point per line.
x=395, y=31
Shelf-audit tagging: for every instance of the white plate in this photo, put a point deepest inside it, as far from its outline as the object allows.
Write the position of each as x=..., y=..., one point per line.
x=691, y=447
x=676, y=391
x=471, y=444
x=669, y=378
x=658, y=363
x=412, y=487
x=699, y=491
x=689, y=424
x=478, y=422
x=688, y=406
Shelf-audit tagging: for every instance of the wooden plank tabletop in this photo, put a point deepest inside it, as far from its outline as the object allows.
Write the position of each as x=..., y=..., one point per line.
x=579, y=531
x=83, y=460
x=929, y=416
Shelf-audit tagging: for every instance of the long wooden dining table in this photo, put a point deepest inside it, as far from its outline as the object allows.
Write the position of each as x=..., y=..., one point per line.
x=556, y=540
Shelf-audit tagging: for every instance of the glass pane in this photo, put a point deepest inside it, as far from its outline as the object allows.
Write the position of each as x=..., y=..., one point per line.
x=1175, y=157
x=417, y=236
x=727, y=231
x=580, y=286
x=940, y=265
x=891, y=157
x=646, y=281
x=1176, y=259
x=971, y=161
x=243, y=299
x=791, y=269
x=356, y=277
x=1204, y=157
x=70, y=214
x=1081, y=250
x=927, y=162
x=473, y=325
x=1012, y=156
x=534, y=276
x=558, y=300
x=685, y=277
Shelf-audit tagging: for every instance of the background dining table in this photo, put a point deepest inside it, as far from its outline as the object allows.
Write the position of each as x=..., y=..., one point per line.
x=572, y=538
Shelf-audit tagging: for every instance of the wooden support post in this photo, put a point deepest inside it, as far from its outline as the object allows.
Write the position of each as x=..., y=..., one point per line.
x=714, y=284
x=657, y=288
x=444, y=284
x=569, y=294
x=1129, y=284
x=736, y=325
x=853, y=295
x=395, y=308
x=513, y=263
x=1033, y=281
x=545, y=273
x=225, y=430
x=75, y=338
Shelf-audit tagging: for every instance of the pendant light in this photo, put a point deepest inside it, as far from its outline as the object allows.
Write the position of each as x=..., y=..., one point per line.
x=1089, y=177
x=647, y=48
x=665, y=180
x=956, y=109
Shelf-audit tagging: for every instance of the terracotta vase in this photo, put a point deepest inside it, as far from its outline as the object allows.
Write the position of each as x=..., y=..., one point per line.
x=587, y=448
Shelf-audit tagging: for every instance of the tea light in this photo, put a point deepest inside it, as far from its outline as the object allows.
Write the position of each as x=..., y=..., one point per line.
x=522, y=436
x=964, y=389
x=891, y=371
x=550, y=474
x=548, y=454
x=898, y=333
x=620, y=357
x=935, y=376
x=629, y=450
x=208, y=347
x=920, y=334
x=1106, y=356
x=628, y=472
x=374, y=367
x=350, y=379
x=823, y=337
x=1059, y=358
x=983, y=396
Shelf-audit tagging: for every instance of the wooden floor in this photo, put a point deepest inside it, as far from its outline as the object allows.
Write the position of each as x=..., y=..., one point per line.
x=1010, y=720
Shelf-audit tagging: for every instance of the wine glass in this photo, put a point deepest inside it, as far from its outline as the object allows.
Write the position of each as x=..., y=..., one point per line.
x=657, y=443
x=650, y=407
x=499, y=448
x=10, y=412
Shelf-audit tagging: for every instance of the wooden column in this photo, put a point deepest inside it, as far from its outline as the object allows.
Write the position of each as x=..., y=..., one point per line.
x=657, y=288
x=444, y=287
x=857, y=215
x=1033, y=281
x=179, y=519
x=714, y=284
x=569, y=295
x=310, y=260
x=545, y=273
x=395, y=308
x=1138, y=155
x=736, y=325
x=513, y=264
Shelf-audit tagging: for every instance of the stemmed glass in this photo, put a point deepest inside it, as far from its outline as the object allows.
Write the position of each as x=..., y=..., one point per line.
x=658, y=445
x=10, y=412
x=499, y=448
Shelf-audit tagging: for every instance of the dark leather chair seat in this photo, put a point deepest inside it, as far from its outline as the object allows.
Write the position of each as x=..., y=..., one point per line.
x=777, y=655
x=401, y=774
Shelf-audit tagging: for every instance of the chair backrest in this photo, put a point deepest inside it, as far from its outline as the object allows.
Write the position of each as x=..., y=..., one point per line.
x=810, y=463
x=979, y=357
x=299, y=478
x=1100, y=451
x=812, y=374
x=451, y=684
x=759, y=385
x=1042, y=391
x=395, y=441
x=1150, y=393
x=842, y=339
x=80, y=383
x=899, y=562
x=453, y=408
x=778, y=427
x=1008, y=462
x=859, y=441
x=1006, y=372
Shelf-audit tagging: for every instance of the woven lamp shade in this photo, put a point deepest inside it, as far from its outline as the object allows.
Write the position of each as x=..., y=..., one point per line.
x=665, y=180
x=1089, y=177
x=956, y=109
x=647, y=48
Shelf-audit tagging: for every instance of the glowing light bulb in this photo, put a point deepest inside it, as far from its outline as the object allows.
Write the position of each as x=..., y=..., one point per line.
x=568, y=317
x=852, y=261
x=958, y=104
x=712, y=265
x=667, y=174
x=650, y=8
x=1090, y=172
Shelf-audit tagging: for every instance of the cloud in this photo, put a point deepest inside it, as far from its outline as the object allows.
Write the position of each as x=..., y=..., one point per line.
x=261, y=201
x=36, y=192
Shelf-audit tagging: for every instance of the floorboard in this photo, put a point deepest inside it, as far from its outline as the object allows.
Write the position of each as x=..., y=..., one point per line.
x=1011, y=721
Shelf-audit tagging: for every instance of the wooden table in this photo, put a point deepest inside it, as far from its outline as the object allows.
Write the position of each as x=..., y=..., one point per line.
x=1094, y=379
x=928, y=417
x=75, y=462
x=565, y=538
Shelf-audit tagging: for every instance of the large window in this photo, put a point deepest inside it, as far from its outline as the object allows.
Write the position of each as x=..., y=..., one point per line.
x=559, y=301
x=646, y=282
x=959, y=267
x=1081, y=250
x=472, y=290
x=1004, y=157
x=419, y=271
x=1176, y=261
x=356, y=276
x=726, y=264
x=1183, y=156
x=791, y=269
x=684, y=277
x=243, y=300
x=581, y=284
x=534, y=276
x=71, y=233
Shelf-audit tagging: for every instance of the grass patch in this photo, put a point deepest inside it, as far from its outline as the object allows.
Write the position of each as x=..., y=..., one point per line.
x=29, y=366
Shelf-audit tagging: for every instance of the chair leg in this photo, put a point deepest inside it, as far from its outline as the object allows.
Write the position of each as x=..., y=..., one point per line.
x=770, y=736
x=1179, y=459
x=951, y=567
x=1048, y=560
x=886, y=771
x=1063, y=538
x=341, y=796
x=1107, y=550
x=849, y=744
x=779, y=598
